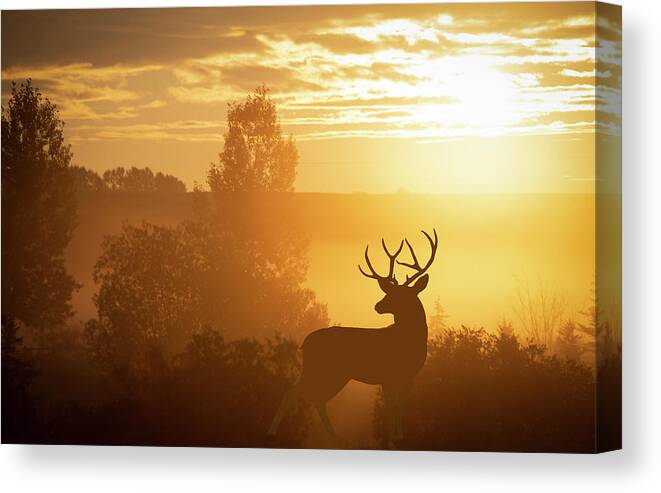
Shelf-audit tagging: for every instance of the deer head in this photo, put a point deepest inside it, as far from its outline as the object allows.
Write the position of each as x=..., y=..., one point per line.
x=398, y=298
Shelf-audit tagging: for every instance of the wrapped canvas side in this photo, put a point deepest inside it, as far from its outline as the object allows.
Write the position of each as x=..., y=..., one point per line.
x=607, y=316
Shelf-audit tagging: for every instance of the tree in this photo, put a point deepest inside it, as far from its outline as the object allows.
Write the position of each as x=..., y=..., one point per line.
x=569, y=343
x=168, y=183
x=604, y=331
x=438, y=321
x=254, y=377
x=256, y=156
x=38, y=210
x=159, y=285
x=141, y=180
x=114, y=178
x=149, y=297
x=86, y=180
x=540, y=313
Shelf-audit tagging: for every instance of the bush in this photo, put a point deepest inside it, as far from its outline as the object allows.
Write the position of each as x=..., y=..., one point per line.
x=216, y=393
x=483, y=392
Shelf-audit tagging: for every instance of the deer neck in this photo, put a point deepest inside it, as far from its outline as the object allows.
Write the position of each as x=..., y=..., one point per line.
x=413, y=318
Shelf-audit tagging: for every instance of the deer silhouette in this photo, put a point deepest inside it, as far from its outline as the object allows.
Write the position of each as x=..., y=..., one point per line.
x=389, y=356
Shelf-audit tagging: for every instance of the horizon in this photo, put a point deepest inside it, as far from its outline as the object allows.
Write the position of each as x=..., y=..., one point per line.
x=347, y=192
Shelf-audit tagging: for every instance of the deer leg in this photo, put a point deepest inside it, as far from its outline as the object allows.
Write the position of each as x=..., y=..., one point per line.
x=390, y=410
x=402, y=395
x=287, y=401
x=323, y=414
x=398, y=434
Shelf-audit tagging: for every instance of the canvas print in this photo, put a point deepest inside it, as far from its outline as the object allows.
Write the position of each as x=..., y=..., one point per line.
x=353, y=227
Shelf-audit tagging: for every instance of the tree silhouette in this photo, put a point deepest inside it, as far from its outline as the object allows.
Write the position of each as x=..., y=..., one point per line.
x=18, y=409
x=114, y=178
x=168, y=183
x=569, y=343
x=141, y=180
x=159, y=285
x=86, y=180
x=38, y=210
x=256, y=156
x=150, y=297
x=437, y=321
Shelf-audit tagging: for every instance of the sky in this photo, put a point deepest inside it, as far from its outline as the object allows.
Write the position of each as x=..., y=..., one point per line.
x=459, y=98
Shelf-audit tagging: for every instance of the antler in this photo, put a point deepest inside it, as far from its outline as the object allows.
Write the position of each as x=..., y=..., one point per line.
x=391, y=272
x=415, y=265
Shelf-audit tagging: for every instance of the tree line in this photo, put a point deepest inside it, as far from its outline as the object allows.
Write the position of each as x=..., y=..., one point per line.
x=122, y=179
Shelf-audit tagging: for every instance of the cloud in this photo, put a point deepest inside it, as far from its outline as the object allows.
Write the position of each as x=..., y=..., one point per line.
x=341, y=43
x=121, y=36
x=78, y=88
x=246, y=77
x=203, y=94
x=180, y=130
x=157, y=103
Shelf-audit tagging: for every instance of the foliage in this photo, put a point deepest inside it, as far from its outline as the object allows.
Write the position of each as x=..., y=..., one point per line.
x=230, y=391
x=256, y=157
x=159, y=285
x=603, y=329
x=213, y=393
x=505, y=328
x=569, y=343
x=38, y=210
x=125, y=180
x=166, y=294
x=18, y=409
x=149, y=298
x=141, y=180
x=86, y=180
x=438, y=320
x=490, y=392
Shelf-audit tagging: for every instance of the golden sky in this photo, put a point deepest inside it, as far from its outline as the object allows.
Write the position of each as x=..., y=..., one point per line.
x=426, y=98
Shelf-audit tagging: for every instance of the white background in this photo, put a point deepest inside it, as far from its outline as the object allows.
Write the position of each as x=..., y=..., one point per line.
x=636, y=468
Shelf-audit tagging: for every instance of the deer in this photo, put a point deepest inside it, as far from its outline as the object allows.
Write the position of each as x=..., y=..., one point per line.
x=390, y=356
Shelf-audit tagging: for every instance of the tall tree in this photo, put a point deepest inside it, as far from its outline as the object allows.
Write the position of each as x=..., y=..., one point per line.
x=150, y=296
x=569, y=343
x=256, y=156
x=38, y=210
x=234, y=268
x=159, y=285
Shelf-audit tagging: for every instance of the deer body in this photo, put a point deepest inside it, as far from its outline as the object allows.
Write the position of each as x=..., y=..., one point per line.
x=392, y=355
x=389, y=356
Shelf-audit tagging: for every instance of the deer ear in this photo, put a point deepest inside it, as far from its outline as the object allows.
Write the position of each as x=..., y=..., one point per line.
x=421, y=283
x=385, y=285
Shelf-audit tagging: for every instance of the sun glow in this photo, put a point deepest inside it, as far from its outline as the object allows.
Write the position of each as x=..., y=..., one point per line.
x=481, y=97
